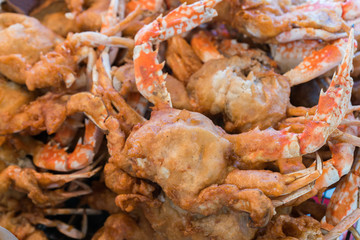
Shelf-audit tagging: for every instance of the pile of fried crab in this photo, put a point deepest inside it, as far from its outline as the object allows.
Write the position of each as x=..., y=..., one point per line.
x=167, y=119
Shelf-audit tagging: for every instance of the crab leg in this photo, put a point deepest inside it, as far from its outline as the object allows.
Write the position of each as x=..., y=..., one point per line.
x=151, y=5
x=296, y=34
x=92, y=106
x=318, y=62
x=102, y=85
x=214, y=198
x=64, y=228
x=68, y=211
x=33, y=116
x=345, y=198
x=54, y=158
x=67, y=132
x=344, y=11
x=95, y=39
x=33, y=183
x=338, y=166
x=273, y=184
x=118, y=27
x=332, y=107
x=150, y=79
x=343, y=226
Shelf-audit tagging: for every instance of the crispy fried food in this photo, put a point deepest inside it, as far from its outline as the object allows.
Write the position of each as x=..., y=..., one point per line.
x=21, y=227
x=124, y=79
x=181, y=58
x=23, y=40
x=35, y=184
x=263, y=20
x=53, y=68
x=51, y=13
x=124, y=83
x=174, y=223
x=204, y=181
x=235, y=81
x=284, y=227
x=243, y=90
x=47, y=112
x=11, y=204
x=101, y=198
x=122, y=227
x=12, y=97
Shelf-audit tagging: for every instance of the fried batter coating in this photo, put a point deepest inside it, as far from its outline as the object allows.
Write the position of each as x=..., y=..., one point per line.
x=196, y=183
x=124, y=82
x=12, y=97
x=124, y=79
x=51, y=13
x=23, y=39
x=243, y=90
x=174, y=223
x=182, y=58
x=230, y=47
x=91, y=18
x=11, y=203
x=213, y=152
x=122, y=227
x=47, y=112
x=179, y=95
x=59, y=24
x=53, y=68
x=86, y=15
x=285, y=227
x=101, y=198
x=20, y=227
x=263, y=20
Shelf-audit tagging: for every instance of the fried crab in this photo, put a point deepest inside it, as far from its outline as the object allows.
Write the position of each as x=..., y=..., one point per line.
x=157, y=150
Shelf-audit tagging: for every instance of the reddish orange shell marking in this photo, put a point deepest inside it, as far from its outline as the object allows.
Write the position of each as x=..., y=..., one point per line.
x=313, y=135
x=150, y=5
x=146, y=65
x=351, y=9
x=328, y=103
x=54, y=158
x=50, y=156
x=204, y=48
x=343, y=201
x=148, y=75
x=317, y=59
x=318, y=6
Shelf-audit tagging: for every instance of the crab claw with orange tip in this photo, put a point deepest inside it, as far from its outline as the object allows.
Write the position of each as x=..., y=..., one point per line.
x=150, y=80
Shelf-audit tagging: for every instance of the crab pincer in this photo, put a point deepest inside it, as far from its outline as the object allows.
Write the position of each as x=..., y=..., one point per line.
x=332, y=108
x=150, y=79
x=54, y=158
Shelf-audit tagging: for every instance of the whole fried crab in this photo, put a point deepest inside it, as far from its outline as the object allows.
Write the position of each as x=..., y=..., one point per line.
x=203, y=179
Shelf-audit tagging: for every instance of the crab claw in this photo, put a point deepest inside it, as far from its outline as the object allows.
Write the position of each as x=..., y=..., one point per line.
x=332, y=108
x=274, y=184
x=53, y=158
x=332, y=105
x=150, y=80
x=318, y=62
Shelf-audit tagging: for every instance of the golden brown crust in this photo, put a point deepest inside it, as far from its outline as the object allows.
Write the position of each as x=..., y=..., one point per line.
x=285, y=227
x=23, y=39
x=47, y=112
x=181, y=58
x=248, y=95
x=122, y=227
x=174, y=223
x=263, y=20
x=101, y=198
